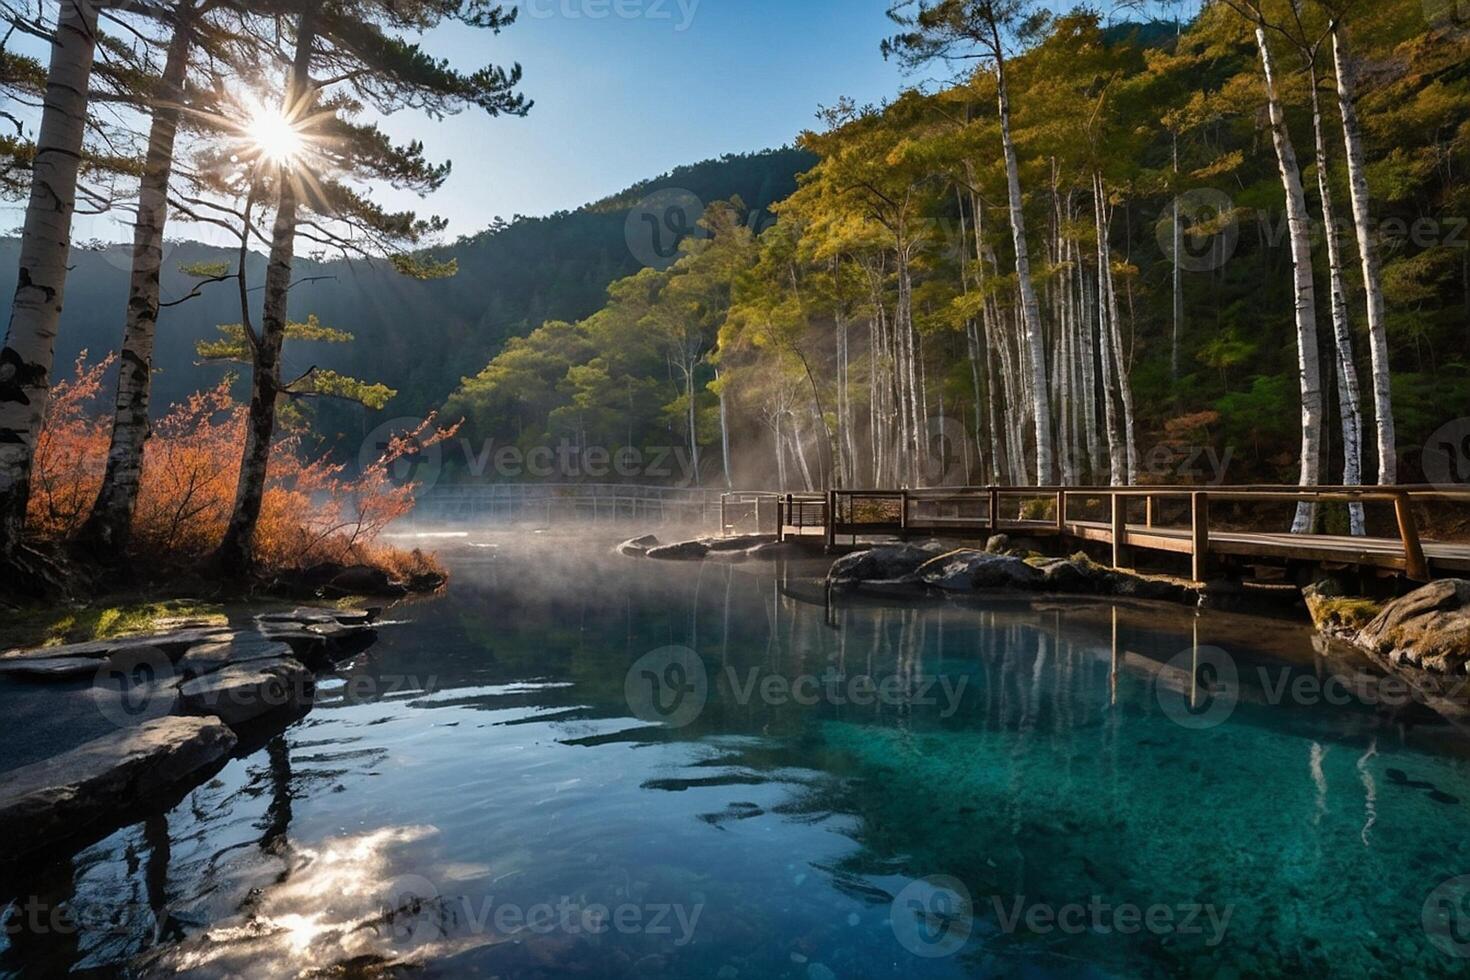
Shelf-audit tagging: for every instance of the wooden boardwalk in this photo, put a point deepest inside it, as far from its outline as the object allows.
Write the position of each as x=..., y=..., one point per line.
x=1186, y=521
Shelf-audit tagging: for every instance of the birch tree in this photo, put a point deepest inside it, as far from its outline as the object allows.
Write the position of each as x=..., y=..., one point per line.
x=1304, y=290
x=30, y=338
x=950, y=29
x=1345, y=73
x=107, y=529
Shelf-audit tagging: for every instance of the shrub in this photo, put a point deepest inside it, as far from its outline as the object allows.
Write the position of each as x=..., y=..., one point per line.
x=313, y=509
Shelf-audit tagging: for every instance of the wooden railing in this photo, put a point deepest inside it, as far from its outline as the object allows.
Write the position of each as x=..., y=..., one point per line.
x=1048, y=510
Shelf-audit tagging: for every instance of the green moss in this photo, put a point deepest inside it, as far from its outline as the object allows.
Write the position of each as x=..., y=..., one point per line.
x=1342, y=612
x=50, y=626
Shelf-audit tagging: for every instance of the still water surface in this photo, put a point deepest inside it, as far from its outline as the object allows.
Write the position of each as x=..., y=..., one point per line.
x=1017, y=792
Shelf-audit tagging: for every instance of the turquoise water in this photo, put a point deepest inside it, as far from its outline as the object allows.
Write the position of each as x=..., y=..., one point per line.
x=475, y=795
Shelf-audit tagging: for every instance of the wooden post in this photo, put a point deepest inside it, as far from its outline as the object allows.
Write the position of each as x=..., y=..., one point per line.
x=831, y=523
x=1148, y=511
x=994, y=510
x=1199, y=530
x=903, y=511
x=781, y=518
x=1120, y=530
x=1062, y=510
x=1416, y=566
x=724, y=524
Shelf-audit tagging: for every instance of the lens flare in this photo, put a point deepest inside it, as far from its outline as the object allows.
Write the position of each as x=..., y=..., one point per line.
x=273, y=135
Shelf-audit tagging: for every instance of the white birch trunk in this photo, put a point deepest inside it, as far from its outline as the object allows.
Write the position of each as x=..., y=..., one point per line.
x=1304, y=289
x=109, y=526
x=1349, y=395
x=1030, y=310
x=30, y=339
x=1368, y=254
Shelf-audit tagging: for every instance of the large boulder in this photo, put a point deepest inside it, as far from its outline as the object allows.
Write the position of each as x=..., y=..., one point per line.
x=244, y=692
x=49, y=801
x=886, y=564
x=967, y=570
x=1429, y=628
x=682, y=551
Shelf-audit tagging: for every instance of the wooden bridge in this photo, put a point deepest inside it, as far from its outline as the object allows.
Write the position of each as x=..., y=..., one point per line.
x=1203, y=523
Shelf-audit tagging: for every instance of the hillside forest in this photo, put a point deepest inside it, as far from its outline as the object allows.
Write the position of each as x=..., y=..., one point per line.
x=1224, y=249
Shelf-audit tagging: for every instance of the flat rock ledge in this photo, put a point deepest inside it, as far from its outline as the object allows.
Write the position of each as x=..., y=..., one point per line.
x=1428, y=629
x=935, y=568
x=49, y=801
x=207, y=683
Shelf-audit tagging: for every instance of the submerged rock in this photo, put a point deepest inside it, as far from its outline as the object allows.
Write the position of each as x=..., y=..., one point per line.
x=1429, y=628
x=48, y=801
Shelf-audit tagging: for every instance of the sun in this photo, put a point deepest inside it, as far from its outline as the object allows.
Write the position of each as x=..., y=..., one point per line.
x=274, y=136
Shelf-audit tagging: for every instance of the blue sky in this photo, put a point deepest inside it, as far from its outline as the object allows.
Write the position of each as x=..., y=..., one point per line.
x=622, y=97
x=625, y=90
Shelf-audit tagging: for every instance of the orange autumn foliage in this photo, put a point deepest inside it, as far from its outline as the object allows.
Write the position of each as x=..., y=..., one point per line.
x=313, y=509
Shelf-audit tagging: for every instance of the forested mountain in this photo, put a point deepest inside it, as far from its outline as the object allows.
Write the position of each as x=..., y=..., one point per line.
x=1232, y=249
x=418, y=337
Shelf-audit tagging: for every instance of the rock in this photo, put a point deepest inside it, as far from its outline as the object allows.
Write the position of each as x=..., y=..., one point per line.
x=1336, y=614
x=967, y=570
x=173, y=644
x=49, y=801
x=1429, y=628
x=52, y=668
x=364, y=580
x=427, y=582
x=243, y=692
x=738, y=542
x=1072, y=575
x=237, y=648
x=683, y=551
x=998, y=544
x=637, y=547
x=775, y=551
x=304, y=615
x=881, y=564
